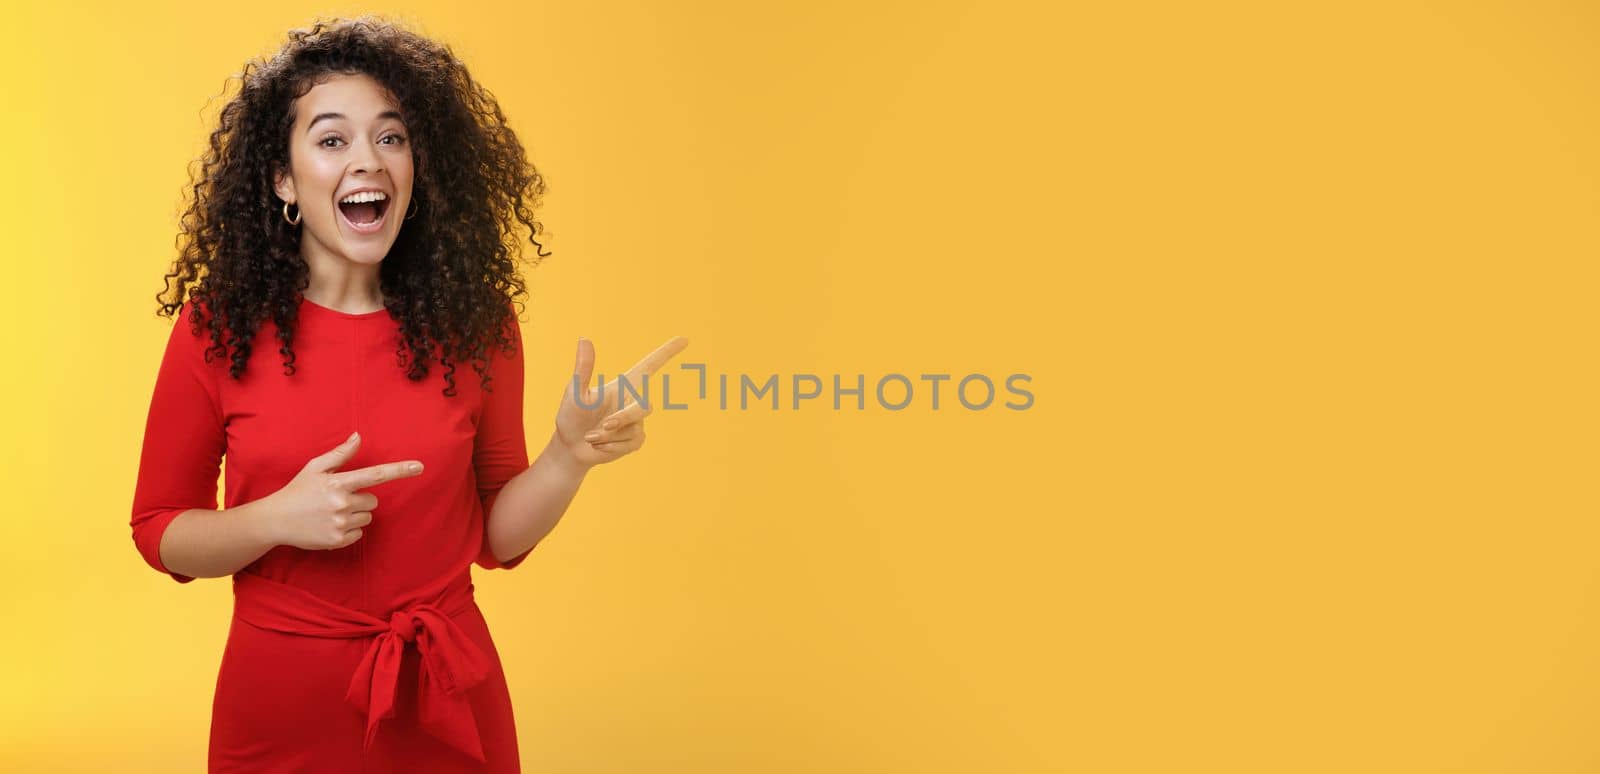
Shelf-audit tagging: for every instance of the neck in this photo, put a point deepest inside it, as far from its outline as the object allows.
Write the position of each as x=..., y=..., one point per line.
x=342, y=284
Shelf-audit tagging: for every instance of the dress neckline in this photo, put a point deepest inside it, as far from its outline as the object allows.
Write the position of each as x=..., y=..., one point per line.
x=318, y=310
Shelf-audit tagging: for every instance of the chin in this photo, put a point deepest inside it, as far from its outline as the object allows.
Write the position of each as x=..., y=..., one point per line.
x=368, y=255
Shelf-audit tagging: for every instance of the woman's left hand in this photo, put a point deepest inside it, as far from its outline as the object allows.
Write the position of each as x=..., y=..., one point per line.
x=593, y=425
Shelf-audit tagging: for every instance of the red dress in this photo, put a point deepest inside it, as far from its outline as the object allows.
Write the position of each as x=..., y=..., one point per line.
x=372, y=657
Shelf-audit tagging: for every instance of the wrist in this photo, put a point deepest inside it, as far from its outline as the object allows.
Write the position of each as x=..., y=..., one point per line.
x=560, y=455
x=259, y=521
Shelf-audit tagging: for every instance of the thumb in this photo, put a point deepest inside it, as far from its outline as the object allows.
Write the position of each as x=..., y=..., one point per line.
x=337, y=456
x=583, y=369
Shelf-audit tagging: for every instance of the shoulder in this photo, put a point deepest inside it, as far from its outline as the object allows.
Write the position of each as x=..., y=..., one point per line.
x=512, y=328
x=191, y=331
x=192, y=309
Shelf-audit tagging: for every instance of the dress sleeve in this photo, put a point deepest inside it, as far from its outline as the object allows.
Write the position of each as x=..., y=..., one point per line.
x=500, y=449
x=183, y=443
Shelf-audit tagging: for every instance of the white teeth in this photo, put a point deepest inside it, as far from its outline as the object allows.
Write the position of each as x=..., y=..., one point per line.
x=364, y=196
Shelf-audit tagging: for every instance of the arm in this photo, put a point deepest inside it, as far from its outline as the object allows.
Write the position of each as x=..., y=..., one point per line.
x=175, y=524
x=521, y=503
x=531, y=504
x=205, y=543
x=527, y=502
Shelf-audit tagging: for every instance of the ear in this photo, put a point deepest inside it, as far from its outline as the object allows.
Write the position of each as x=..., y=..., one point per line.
x=283, y=184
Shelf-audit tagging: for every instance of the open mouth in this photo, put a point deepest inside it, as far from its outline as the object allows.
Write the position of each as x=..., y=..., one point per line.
x=364, y=217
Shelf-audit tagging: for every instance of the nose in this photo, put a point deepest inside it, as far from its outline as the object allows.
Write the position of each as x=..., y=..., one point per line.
x=367, y=160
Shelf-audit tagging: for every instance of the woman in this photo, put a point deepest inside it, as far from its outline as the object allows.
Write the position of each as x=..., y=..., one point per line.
x=348, y=245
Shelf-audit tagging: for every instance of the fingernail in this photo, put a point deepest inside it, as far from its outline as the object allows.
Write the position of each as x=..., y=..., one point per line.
x=591, y=435
x=611, y=424
x=352, y=437
x=416, y=467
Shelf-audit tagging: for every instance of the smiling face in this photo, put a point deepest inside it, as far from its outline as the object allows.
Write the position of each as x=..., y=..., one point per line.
x=348, y=137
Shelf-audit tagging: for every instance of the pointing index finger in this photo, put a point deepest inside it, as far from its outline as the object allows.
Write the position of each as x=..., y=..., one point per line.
x=361, y=478
x=655, y=360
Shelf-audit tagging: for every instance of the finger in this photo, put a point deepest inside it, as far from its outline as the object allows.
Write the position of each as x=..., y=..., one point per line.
x=634, y=412
x=621, y=447
x=620, y=434
x=350, y=537
x=583, y=368
x=361, y=478
x=358, y=520
x=363, y=501
x=338, y=455
x=655, y=360
x=630, y=436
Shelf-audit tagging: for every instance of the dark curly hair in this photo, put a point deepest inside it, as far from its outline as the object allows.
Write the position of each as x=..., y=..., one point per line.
x=451, y=277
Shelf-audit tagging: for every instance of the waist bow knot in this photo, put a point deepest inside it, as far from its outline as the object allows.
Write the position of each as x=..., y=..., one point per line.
x=451, y=662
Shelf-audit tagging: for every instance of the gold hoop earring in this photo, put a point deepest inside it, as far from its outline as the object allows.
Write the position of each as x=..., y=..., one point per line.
x=296, y=220
x=413, y=208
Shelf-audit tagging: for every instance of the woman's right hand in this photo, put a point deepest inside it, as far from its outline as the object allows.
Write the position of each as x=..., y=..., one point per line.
x=321, y=508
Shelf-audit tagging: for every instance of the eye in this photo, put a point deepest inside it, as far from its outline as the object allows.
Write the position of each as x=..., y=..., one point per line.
x=324, y=141
x=398, y=139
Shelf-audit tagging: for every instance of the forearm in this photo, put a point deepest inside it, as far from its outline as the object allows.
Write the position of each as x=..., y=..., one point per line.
x=204, y=543
x=531, y=504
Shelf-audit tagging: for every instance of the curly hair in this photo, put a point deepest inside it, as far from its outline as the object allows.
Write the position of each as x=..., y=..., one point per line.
x=451, y=277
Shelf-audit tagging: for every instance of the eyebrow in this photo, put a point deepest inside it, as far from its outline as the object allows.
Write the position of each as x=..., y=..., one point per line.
x=385, y=114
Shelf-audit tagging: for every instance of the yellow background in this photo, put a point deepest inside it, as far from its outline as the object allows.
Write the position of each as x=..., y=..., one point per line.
x=1306, y=294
